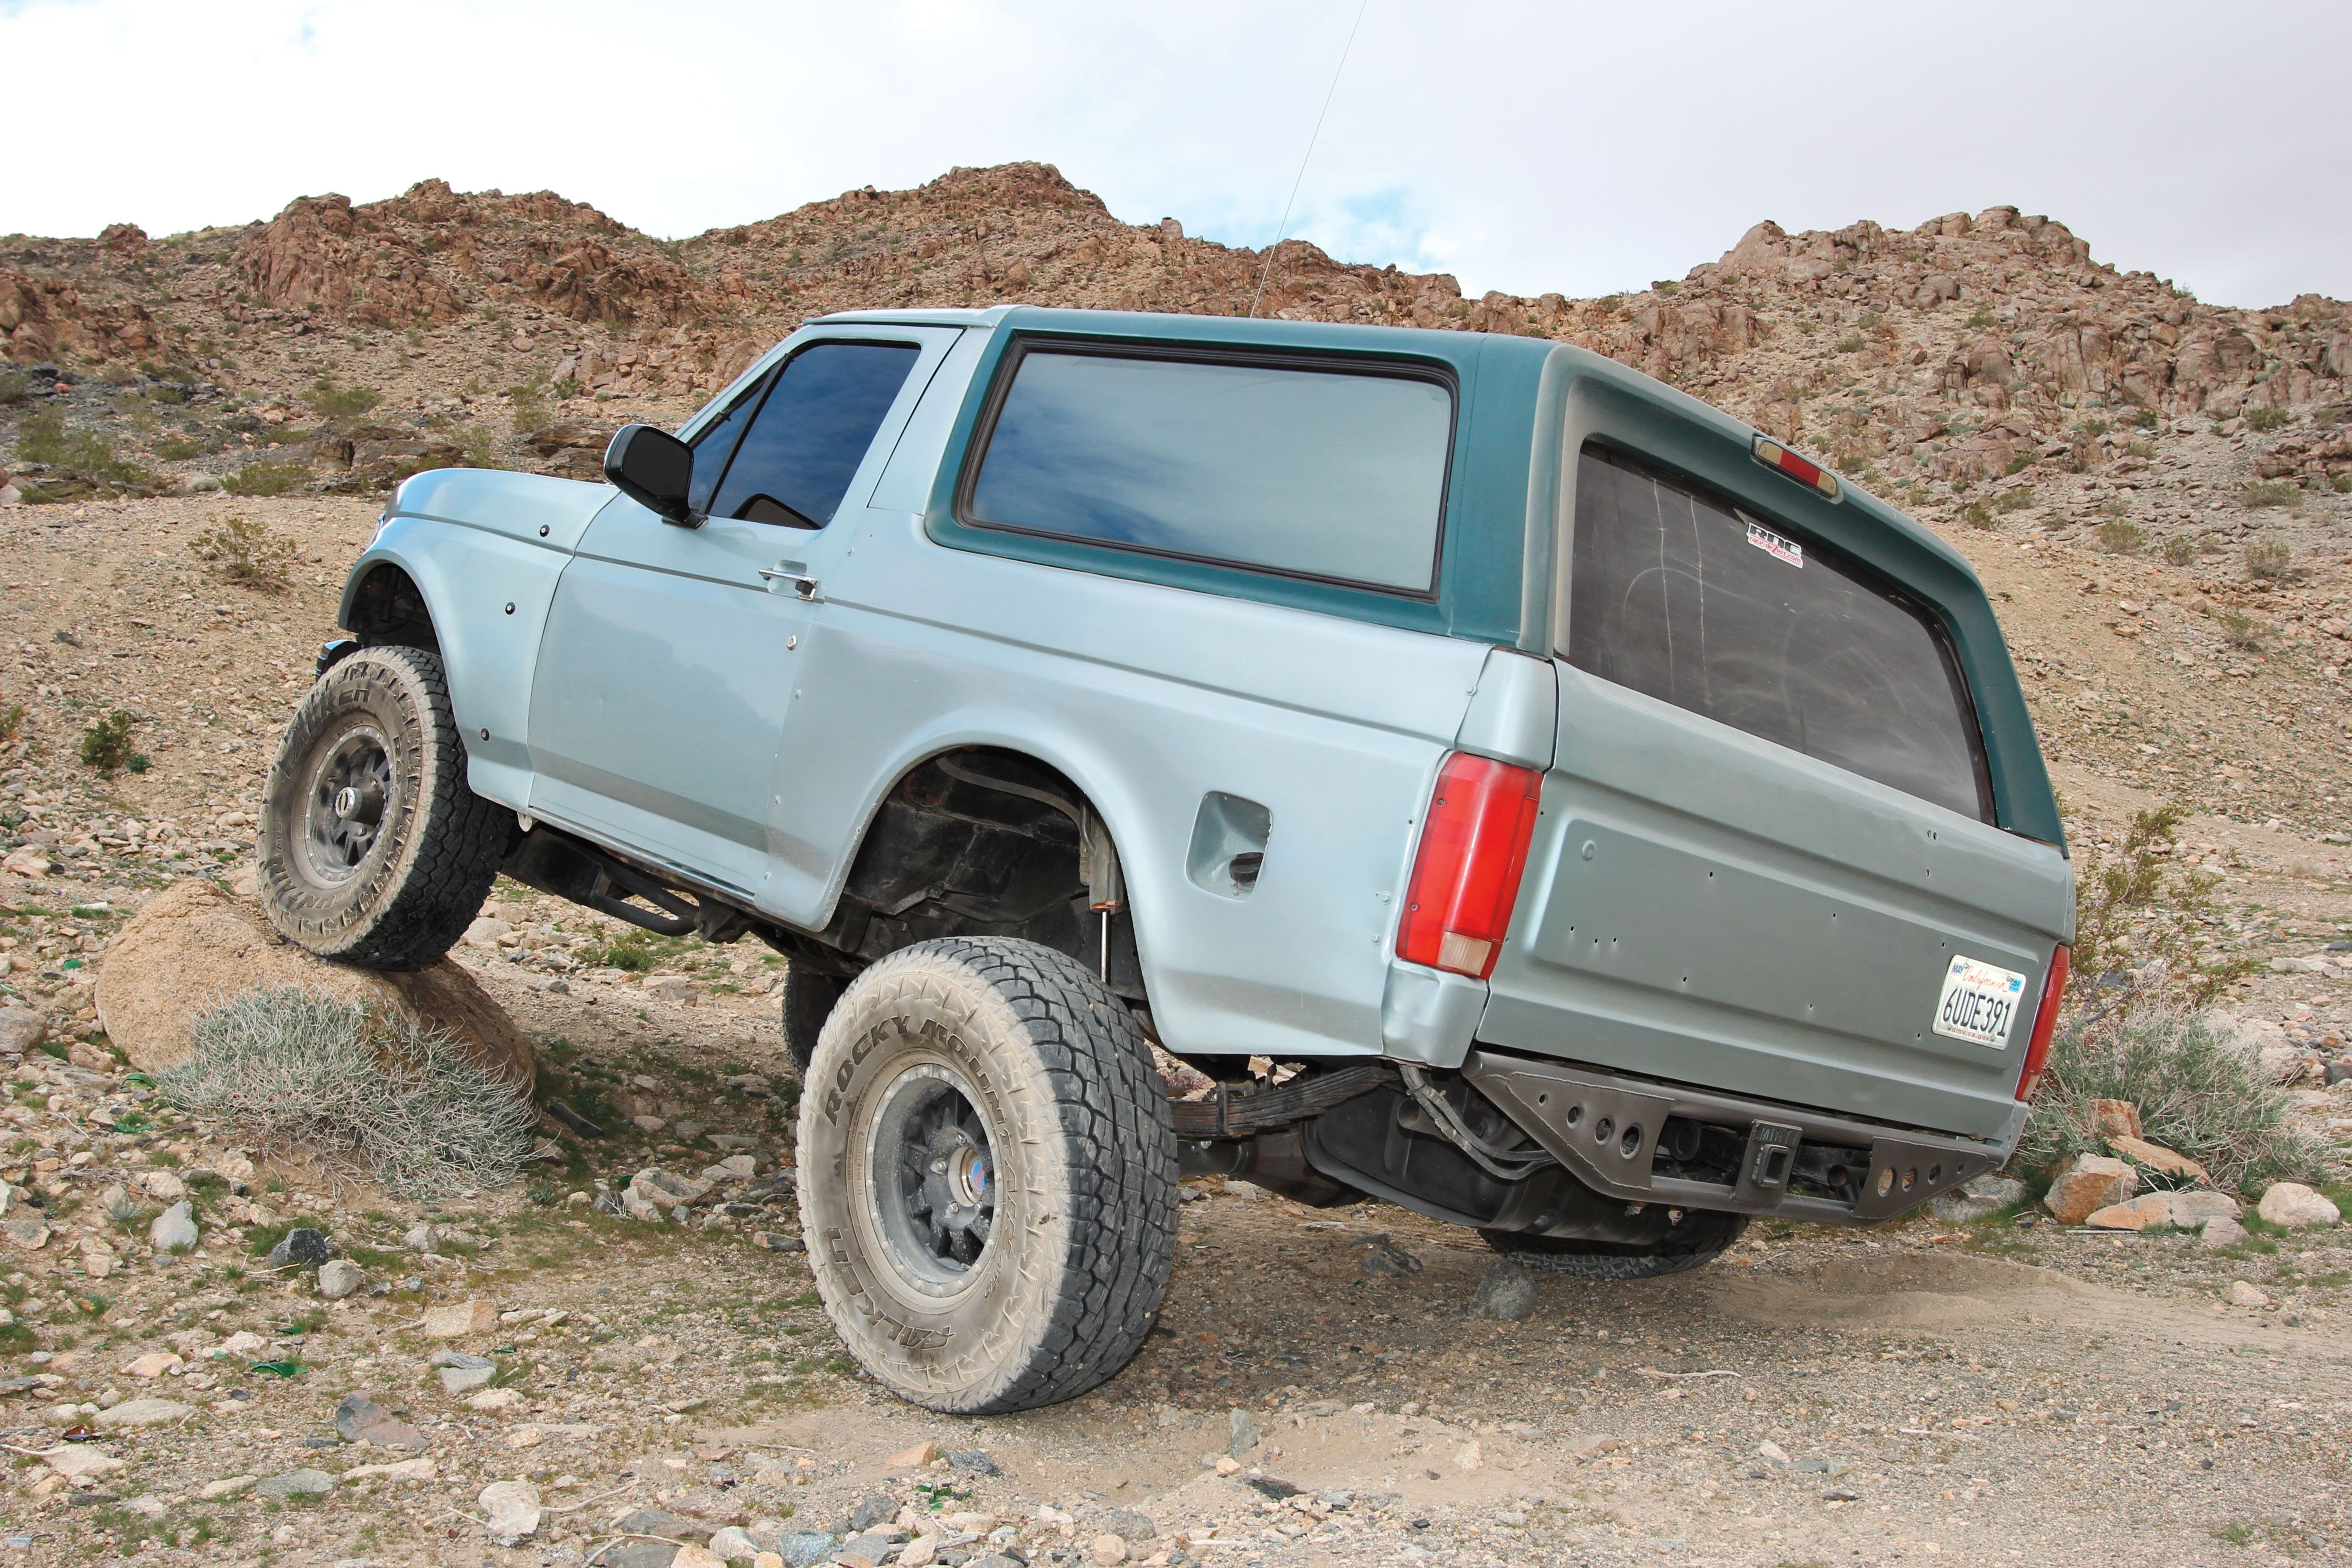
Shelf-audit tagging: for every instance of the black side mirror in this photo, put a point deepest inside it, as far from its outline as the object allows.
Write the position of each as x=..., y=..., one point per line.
x=654, y=469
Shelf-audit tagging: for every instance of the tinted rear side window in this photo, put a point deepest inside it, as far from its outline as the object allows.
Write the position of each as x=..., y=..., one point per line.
x=793, y=462
x=1692, y=601
x=1317, y=473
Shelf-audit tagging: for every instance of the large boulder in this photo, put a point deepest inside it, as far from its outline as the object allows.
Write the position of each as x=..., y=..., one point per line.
x=195, y=946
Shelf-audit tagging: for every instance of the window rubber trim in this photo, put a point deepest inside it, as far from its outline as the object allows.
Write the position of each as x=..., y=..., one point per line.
x=1870, y=578
x=976, y=451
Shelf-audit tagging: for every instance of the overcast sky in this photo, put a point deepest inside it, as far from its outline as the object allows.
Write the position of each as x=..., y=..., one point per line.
x=1525, y=147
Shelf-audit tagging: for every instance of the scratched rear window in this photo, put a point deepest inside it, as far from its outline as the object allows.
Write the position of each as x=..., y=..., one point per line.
x=1683, y=597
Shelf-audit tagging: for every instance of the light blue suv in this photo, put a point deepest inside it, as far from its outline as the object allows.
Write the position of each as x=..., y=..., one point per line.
x=1527, y=794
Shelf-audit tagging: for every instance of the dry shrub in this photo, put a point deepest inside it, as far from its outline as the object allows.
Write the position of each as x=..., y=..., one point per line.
x=2197, y=1090
x=2140, y=912
x=245, y=552
x=364, y=1092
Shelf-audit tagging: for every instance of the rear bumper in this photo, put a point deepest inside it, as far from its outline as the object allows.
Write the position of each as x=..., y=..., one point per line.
x=1605, y=1127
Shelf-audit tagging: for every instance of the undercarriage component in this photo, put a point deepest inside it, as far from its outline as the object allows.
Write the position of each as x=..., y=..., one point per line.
x=1649, y=1143
x=1223, y=1113
x=555, y=863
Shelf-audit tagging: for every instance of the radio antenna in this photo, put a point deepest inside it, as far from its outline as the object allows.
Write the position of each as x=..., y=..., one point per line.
x=1281, y=231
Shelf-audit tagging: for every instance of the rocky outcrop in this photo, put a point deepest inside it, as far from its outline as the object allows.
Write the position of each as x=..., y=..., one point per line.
x=193, y=945
x=44, y=317
x=322, y=252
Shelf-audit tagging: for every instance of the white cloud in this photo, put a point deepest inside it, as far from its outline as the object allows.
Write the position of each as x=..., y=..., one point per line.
x=1523, y=147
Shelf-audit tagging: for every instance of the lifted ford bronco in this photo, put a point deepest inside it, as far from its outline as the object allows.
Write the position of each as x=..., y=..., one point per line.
x=1612, y=825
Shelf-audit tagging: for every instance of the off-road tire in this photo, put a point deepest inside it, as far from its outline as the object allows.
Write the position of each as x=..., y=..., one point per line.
x=435, y=847
x=1051, y=1067
x=1698, y=1241
x=808, y=1001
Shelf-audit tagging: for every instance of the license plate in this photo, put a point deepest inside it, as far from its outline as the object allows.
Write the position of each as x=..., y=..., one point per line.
x=1979, y=1002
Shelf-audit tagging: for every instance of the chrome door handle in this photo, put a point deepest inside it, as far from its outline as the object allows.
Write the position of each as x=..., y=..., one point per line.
x=802, y=583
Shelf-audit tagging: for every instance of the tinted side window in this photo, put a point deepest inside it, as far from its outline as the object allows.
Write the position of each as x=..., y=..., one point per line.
x=803, y=447
x=1316, y=473
x=1683, y=597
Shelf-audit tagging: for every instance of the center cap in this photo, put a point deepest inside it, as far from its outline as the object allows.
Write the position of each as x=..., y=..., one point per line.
x=347, y=802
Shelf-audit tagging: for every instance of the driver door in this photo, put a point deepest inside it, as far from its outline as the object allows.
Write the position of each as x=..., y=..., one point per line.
x=667, y=670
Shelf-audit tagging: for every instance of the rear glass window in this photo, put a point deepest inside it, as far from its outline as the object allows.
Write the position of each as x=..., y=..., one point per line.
x=1683, y=597
x=1309, y=472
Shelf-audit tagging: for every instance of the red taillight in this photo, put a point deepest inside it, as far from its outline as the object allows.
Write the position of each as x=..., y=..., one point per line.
x=2045, y=1020
x=1773, y=455
x=1466, y=878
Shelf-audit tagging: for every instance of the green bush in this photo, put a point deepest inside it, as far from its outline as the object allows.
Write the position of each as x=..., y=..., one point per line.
x=12, y=721
x=1852, y=343
x=266, y=478
x=2269, y=560
x=364, y=1093
x=178, y=449
x=2198, y=1091
x=2240, y=631
x=85, y=459
x=2254, y=497
x=2179, y=551
x=2145, y=418
x=2017, y=500
x=2118, y=537
x=1983, y=317
x=2269, y=419
x=339, y=402
x=627, y=953
x=106, y=745
x=246, y=553
x=2093, y=427
x=1976, y=514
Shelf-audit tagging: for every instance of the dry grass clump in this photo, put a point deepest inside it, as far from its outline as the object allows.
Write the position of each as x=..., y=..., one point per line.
x=365, y=1092
x=2197, y=1090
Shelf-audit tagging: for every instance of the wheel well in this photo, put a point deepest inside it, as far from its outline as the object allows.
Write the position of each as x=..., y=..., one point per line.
x=987, y=841
x=389, y=610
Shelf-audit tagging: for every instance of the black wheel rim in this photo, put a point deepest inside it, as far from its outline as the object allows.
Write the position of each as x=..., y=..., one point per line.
x=345, y=804
x=931, y=1179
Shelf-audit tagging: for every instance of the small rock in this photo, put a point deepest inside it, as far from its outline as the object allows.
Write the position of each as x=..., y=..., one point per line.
x=732, y=1545
x=1507, y=1292
x=693, y=1556
x=639, y=1554
x=21, y=1028
x=1107, y=1550
x=133, y=1414
x=1772, y=1452
x=1978, y=1197
x=301, y=1245
x=973, y=1461
x=359, y=1419
x=1584, y=1445
x=338, y=1278
x=174, y=1229
x=804, y=1547
x=1384, y=1256
x=163, y=1186
x=2191, y=1210
x=2115, y=1118
x=778, y=1241
x=243, y=1343
x=1129, y=1525
x=510, y=1511
x=2138, y=1214
x=1240, y=1430
x=2242, y=1293
x=227, y=1486
x=461, y=1320
x=874, y=1546
x=296, y=1483
x=2090, y=1184
x=2221, y=1231
x=921, y=1454
x=1228, y=1466
x=76, y=1460
x=495, y=1399
x=27, y=1228
x=1471, y=1457
x=768, y=1560
x=871, y=1511
x=919, y=1553
x=2156, y=1157
x=2297, y=1207
x=460, y=1374
x=154, y=1364
x=422, y=1238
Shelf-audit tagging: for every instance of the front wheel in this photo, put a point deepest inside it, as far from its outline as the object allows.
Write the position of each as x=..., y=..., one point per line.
x=988, y=1175
x=374, y=850
x=1697, y=1240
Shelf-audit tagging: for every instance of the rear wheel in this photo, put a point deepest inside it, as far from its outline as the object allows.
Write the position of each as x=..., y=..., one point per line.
x=373, y=849
x=987, y=1175
x=1697, y=1240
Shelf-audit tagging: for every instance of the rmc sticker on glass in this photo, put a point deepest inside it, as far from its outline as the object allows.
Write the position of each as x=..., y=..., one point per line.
x=1772, y=544
x=1979, y=1002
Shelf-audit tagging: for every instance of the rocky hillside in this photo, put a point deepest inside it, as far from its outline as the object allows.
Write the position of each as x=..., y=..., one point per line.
x=2180, y=469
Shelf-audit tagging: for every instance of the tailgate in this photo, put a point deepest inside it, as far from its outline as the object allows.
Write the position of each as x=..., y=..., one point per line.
x=1707, y=908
